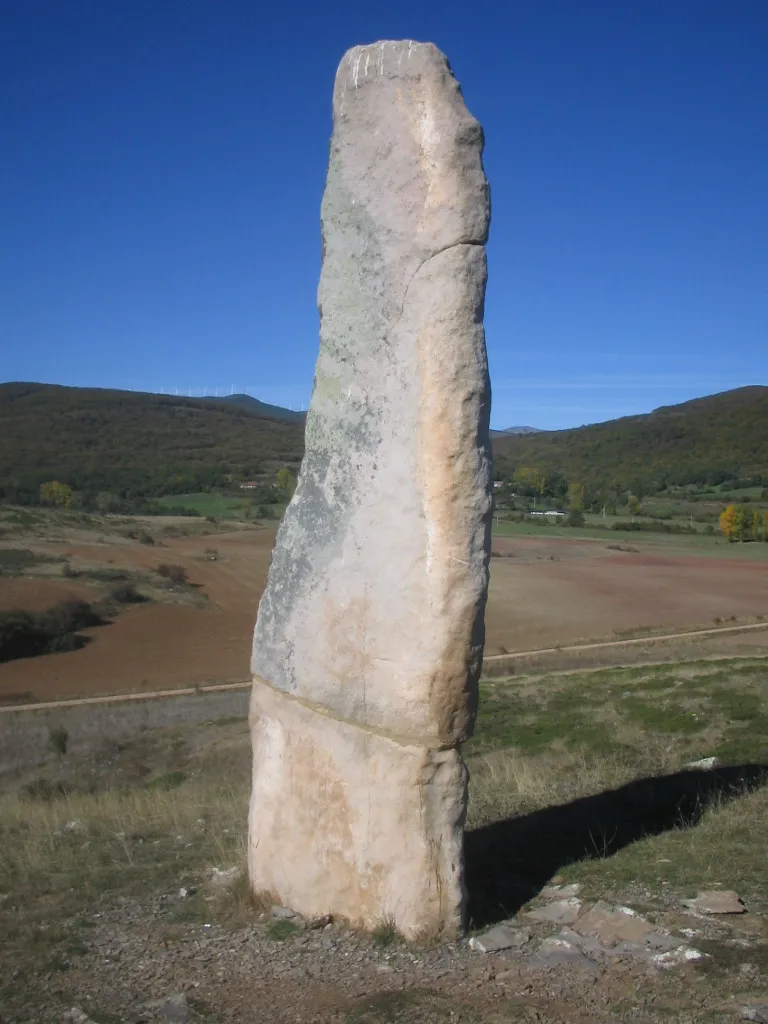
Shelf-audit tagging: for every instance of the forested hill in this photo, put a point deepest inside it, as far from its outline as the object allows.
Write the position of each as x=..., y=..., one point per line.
x=133, y=444
x=706, y=440
x=144, y=445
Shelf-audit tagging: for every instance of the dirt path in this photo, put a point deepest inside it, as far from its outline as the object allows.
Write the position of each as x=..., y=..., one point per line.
x=655, y=638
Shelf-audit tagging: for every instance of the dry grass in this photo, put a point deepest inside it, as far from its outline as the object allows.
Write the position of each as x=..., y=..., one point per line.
x=550, y=754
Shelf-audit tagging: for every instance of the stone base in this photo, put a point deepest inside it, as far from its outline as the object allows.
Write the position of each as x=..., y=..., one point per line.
x=351, y=823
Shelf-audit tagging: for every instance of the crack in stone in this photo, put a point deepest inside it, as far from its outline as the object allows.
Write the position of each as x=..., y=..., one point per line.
x=433, y=745
x=424, y=262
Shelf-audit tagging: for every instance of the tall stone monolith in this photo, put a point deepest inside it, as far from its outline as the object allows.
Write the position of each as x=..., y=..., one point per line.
x=369, y=637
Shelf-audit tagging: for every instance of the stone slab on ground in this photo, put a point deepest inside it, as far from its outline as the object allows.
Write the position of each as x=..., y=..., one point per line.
x=559, y=912
x=613, y=924
x=501, y=937
x=557, y=952
x=716, y=901
x=758, y=1014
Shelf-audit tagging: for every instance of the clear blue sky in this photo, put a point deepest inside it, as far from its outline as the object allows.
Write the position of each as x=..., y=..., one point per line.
x=163, y=163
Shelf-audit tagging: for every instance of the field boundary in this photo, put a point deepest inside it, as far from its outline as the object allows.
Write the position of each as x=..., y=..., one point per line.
x=115, y=698
x=651, y=638
x=188, y=691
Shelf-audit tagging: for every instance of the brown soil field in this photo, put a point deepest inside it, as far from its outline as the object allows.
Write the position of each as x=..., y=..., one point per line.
x=551, y=591
x=35, y=595
x=544, y=592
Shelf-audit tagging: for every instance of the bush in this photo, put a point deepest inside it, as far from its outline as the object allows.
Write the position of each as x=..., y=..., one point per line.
x=46, y=789
x=24, y=635
x=67, y=617
x=58, y=740
x=13, y=561
x=21, y=636
x=175, y=574
x=126, y=593
x=575, y=518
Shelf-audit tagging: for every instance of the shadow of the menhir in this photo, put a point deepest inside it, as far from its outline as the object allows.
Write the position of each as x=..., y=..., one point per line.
x=508, y=862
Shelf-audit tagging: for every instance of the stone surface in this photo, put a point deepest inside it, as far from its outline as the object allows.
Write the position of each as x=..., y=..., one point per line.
x=560, y=911
x=503, y=936
x=678, y=957
x=560, y=892
x=759, y=1014
x=718, y=901
x=346, y=822
x=369, y=638
x=374, y=605
x=613, y=924
x=174, y=1008
x=557, y=952
x=223, y=878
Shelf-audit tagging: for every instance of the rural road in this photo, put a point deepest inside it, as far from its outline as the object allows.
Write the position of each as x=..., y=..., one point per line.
x=217, y=688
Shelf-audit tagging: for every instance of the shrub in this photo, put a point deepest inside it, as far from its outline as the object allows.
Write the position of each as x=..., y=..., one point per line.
x=126, y=593
x=58, y=740
x=68, y=616
x=24, y=635
x=46, y=789
x=175, y=574
x=13, y=561
x=20, y=635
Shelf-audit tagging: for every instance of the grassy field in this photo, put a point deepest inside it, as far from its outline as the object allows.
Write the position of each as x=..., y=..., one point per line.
x=222, y=506
x=699, y=543
x=579, y=775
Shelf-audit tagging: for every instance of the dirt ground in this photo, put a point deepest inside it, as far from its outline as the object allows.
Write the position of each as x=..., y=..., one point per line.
x=544, y=592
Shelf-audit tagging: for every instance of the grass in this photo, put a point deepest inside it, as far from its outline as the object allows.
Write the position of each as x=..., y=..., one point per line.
x=554, y=764
x=218, y=506
x=281, y=930
x=684, y=543
x=13, y=561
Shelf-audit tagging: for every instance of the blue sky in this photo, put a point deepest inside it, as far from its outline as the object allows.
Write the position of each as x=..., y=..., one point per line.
x=163, y=164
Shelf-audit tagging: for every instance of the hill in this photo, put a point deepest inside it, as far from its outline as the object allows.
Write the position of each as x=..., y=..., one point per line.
x=263, y=409
x=144, y=445
x=133, y=444
x=705, y=441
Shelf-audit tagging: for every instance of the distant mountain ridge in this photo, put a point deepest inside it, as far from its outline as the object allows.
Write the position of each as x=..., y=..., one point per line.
x=516, y=430
x=259, y=408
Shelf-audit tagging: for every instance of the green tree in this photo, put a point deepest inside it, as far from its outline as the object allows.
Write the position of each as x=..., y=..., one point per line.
x=633, y=504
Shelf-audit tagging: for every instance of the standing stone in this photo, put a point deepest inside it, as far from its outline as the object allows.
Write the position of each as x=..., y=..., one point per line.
x=369, y=639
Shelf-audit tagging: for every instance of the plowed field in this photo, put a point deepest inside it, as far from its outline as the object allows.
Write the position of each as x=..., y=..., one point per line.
x=544, y=592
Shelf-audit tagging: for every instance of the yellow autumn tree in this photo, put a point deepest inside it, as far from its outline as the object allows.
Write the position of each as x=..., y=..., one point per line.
x=736, y=522
x=54, y=493
x=528, y=476
x=575, y=496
